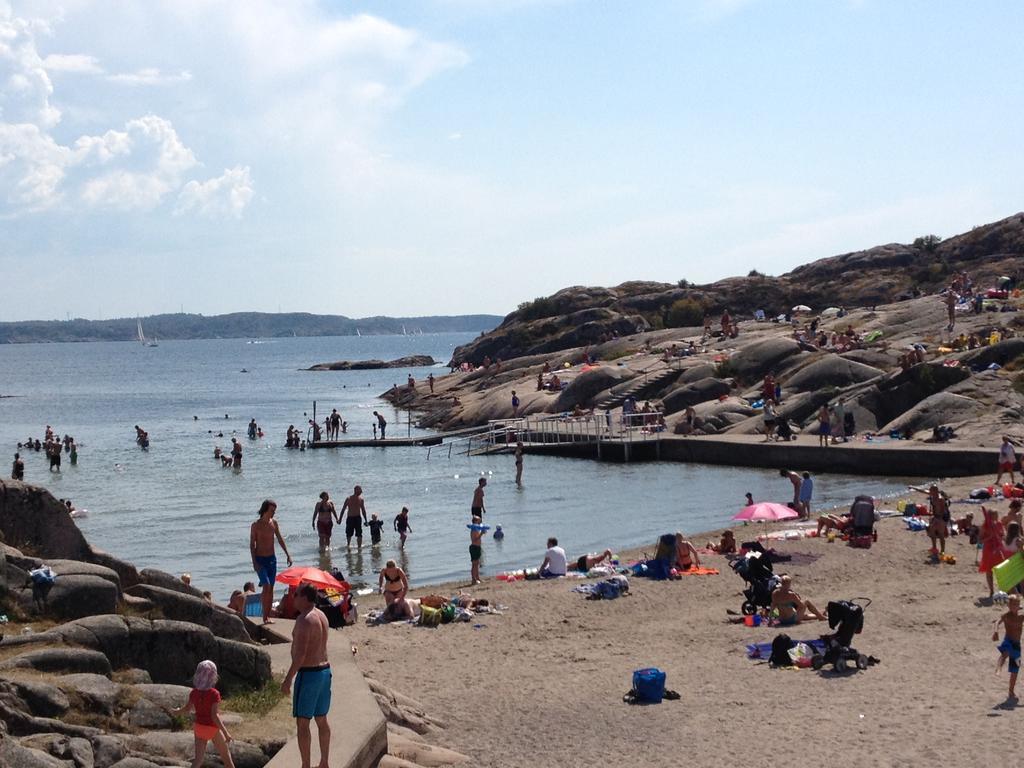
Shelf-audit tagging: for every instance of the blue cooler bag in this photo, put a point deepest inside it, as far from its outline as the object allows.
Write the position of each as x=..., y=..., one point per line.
x=649, y=685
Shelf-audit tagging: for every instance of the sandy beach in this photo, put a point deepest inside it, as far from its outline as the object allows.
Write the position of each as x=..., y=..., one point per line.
x=543, y=684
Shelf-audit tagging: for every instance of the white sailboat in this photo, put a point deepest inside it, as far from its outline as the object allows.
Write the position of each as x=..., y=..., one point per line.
x=142, y=337
x=358, y=333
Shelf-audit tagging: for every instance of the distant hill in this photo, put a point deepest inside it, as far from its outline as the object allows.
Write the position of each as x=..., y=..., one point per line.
x=580, y=316
x=238, y=325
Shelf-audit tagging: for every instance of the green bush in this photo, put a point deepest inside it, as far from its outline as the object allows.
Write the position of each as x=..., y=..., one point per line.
x=685, y=313
x=538, y=308
x=927, y=243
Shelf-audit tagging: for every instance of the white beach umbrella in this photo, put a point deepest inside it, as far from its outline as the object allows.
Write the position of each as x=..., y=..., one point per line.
x=801, y=308
x=828, y=312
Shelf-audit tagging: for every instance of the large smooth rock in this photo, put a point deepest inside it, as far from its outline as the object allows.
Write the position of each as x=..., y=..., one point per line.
x=162, y=694
x=179, y=606
x=75, y=749
x=42, y=698
x=14, y=755
x=755, y=360
x=940, y=409
x=135, y=762
x=147, y=716
x=181, y=746
x=75, y=596
x=30, y=515
x=60, y=660
x=693, y=394
x=830, y=371
x=1000, y=353
x=583, y=388
x=107, y=750
x=158, y=578
x=99, y=693
x=696, y=373
x=168, y=650
x=78, y=568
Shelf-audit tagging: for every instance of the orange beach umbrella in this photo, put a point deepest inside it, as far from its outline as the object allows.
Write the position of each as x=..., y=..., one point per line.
x=300, y=574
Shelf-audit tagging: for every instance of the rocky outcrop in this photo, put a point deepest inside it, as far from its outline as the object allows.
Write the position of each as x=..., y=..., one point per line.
x=180, y=606
x=412, y=361
x=582, y=390
x=692, y=394
x=940, y=409
x=579, y=316
x=830, y=371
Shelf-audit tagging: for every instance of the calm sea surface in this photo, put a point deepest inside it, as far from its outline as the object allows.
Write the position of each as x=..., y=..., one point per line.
x=175, y=508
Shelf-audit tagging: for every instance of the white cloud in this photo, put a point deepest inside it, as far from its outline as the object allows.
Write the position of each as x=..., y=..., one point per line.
x=31, y=166
x=226, y=195
x=25, y=87
x=151, y=76
x=75, y=63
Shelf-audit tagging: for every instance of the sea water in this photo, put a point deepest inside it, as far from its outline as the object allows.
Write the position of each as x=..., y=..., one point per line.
x=175, y=508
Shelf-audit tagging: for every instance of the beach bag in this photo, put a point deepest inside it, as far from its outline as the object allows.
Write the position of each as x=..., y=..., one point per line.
x=649, y=685
x=658, y=569
x=447, y=613
x=429, y=617
x=801, y=655
x=780, y=651
x=609, y=590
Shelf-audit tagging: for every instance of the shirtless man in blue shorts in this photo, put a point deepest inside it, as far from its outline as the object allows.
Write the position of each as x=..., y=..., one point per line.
x=264, y=559
x=311, y=672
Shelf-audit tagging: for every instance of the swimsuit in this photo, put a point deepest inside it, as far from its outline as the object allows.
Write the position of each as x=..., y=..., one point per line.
x=312, y=692
x=475, y=552
x=354, y=526
x=266, y=569
x=581, y=564
x=1012, y=650
x=477, y=511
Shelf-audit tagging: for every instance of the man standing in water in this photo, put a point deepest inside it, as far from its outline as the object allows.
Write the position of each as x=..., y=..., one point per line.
x=264, y=559
x=311, y=672
x=356, y=509
x=477, y=508
x=381, y=423
x=18, y=468
x=519, y=463
x=236, y=454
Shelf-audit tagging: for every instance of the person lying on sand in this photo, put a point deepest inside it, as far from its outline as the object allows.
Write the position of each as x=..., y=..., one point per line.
x=792, y=608
x=584, y=563
x=830, y=522
x=401, y=609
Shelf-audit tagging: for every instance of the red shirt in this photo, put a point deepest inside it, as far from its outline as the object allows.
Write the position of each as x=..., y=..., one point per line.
x=203, y=702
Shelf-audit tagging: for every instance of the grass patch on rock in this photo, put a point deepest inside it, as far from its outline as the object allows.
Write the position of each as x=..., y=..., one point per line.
x=258, y=702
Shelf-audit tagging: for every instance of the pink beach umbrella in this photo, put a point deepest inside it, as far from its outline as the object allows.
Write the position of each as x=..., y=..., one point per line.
x=765, y=511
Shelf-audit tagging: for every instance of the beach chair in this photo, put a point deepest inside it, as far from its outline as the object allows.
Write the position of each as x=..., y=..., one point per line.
x=253, y=605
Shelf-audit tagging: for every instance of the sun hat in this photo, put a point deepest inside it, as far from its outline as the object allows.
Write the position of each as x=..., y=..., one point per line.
x=205, y=676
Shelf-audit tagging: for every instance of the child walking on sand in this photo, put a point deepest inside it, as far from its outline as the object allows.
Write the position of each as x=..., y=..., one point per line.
x=1012, y=621
x=204, y=699
x=476, y=551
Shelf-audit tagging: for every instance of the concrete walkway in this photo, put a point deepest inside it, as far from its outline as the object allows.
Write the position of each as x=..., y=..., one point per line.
x=358, y=729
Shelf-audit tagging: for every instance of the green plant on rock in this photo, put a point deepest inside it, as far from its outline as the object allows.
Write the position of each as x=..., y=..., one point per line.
x=685, y=313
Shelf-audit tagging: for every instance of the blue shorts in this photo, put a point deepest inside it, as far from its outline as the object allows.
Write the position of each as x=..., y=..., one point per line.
x=1012, y=651
x=266, y=569
x=311, y=696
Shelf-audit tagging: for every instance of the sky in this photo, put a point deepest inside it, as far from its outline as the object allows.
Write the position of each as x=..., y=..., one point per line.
x=463, y=156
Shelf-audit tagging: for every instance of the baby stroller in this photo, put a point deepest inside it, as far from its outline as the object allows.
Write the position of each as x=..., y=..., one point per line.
x=756, y=569
x=862, y=522
x=783, y=429
x=846, y=617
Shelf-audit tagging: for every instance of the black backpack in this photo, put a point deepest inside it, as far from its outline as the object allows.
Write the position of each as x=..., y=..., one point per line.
x=780, y=651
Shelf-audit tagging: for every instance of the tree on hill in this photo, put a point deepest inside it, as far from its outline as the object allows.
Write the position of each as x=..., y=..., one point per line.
x=927, y=243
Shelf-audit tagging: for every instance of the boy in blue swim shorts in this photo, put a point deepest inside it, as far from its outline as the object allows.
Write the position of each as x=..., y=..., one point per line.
x=311, y=672
x=264, y=559
x=1012, y=621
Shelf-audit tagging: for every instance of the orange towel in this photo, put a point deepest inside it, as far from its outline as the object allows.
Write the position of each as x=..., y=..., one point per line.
x=699, y=572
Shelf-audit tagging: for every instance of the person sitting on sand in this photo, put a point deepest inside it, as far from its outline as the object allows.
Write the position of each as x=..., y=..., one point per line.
x=584, y=563
x=1013, y=516
x=727, y=544
x=397, y=582
x=554, y=564
x=686, y=554
x=966, y=527
x=792, y=608
x=401, y=609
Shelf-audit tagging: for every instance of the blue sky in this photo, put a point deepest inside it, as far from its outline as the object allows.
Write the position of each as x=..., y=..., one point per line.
x=450, y=156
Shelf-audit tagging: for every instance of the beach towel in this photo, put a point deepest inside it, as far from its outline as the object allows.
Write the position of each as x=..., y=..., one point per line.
x=699, y=572
x=764, y=650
